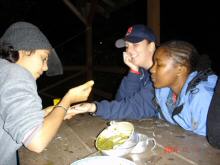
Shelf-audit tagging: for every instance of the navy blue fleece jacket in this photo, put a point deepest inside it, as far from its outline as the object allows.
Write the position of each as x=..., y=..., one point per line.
x=133, y=99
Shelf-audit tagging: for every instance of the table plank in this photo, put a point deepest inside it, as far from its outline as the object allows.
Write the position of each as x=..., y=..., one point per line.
x=75, y=140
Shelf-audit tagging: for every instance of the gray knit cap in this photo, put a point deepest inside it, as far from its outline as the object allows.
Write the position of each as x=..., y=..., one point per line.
x=26, y=36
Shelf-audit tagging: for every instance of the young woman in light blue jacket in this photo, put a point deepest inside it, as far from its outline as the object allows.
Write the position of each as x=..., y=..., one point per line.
x=183, y=86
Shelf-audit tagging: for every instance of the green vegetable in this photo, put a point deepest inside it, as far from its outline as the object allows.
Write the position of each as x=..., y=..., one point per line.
x=104, y=143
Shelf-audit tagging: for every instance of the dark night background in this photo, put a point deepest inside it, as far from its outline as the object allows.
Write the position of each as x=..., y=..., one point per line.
x=193, y=21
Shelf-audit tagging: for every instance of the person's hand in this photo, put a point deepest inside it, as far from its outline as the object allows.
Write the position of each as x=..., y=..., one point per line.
x=77, y=94
x=80, y=108
x=128, y=61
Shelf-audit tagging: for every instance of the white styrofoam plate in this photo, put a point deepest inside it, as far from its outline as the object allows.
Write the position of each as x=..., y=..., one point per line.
x=105, y=160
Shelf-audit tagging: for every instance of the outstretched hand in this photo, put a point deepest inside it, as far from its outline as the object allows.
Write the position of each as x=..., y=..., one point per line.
x=80, y=108
x=79, y=93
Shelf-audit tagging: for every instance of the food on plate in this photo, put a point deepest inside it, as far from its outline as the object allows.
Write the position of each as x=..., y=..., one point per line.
x=106, y=143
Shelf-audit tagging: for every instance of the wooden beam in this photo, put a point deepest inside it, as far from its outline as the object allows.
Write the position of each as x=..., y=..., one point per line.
x=74, y=9
x=153, y=16
x=110, y=69
x=74, y=68
x=89, y=50
x=92, y=11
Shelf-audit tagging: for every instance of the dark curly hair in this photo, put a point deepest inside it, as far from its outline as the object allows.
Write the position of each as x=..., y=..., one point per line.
x=7, y=52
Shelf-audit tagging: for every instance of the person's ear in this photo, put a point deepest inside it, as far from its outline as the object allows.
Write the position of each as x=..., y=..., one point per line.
x=20, y=54
x=181, y=69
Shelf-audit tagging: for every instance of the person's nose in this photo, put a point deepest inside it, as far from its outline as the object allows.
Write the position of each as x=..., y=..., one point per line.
x=152, y=69
x=45, y=66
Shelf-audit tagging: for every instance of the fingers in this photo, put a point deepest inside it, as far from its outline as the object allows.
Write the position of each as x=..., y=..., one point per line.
x=125, y=57
x=83, y=108
x=79, y=109
x=88, y=84
x=124, y=54
x=128, y=61
x=87, y=87
x=72, y=111
x=69, y=116
x=80, y=93
x=88, y=90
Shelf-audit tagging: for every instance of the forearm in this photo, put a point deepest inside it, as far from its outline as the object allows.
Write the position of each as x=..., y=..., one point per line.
x=137, y=107
x=54, y=119
x=50, y=126
x=47, y=110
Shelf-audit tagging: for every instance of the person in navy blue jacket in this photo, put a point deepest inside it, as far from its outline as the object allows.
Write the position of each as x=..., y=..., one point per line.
x=134, y=97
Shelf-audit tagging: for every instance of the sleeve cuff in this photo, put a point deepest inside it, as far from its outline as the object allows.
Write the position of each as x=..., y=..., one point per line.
x=94, y=113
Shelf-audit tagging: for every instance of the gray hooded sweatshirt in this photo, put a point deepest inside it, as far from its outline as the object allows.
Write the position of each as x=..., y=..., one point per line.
x=20, y=109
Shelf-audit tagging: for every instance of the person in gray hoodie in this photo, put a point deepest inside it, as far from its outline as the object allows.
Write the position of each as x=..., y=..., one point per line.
x=25, y=54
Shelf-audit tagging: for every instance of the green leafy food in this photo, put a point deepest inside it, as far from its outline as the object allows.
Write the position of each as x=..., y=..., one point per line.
x=104, y=143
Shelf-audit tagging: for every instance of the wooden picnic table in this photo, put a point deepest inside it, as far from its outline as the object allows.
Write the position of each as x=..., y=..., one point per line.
x=76, y=137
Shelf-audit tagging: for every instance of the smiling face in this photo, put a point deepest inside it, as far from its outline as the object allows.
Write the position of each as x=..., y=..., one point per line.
x=141, y=53
x=34, y=61
x=165, y=71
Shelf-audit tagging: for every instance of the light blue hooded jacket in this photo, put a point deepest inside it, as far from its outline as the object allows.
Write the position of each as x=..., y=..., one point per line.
x=191, y=108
